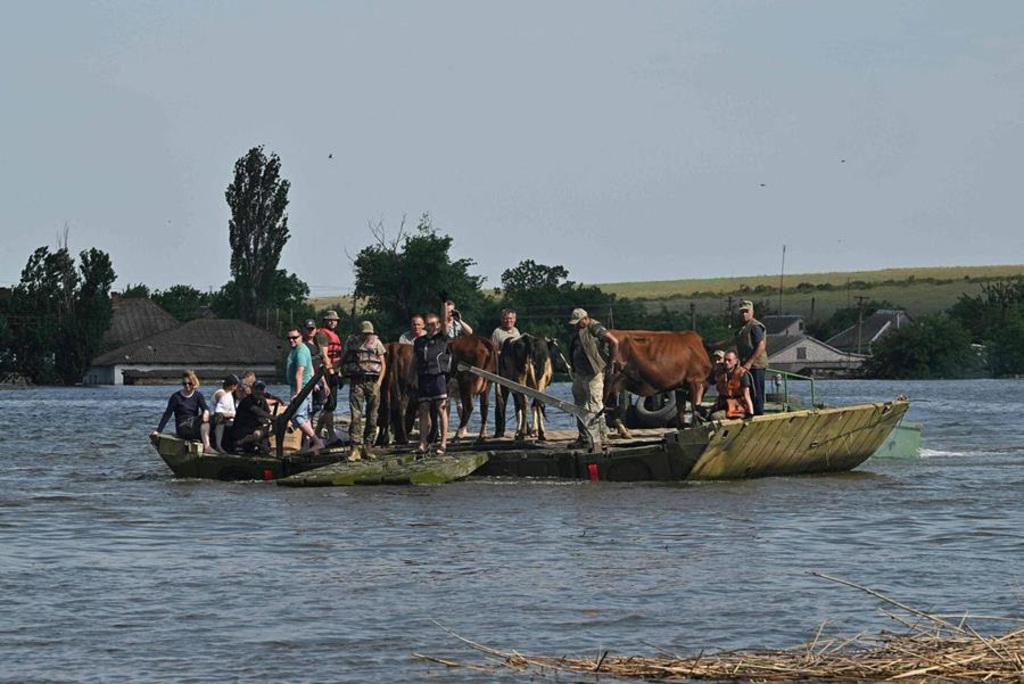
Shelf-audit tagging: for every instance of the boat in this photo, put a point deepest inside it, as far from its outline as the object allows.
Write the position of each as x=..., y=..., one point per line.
x=185, y=458
x=790, y=442
x=802, y=442
x=660, y=411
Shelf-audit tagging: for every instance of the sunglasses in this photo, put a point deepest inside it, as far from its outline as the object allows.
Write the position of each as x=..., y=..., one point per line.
x=293, y=337
x=186, y=383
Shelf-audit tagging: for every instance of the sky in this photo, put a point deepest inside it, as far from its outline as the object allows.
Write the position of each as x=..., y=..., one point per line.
x=623, y=140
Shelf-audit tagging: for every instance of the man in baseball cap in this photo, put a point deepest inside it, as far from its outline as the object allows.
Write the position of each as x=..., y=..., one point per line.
x=751, y=347
x=588, y=362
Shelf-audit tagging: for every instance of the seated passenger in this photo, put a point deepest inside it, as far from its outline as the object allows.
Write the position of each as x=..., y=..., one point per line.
x=191, y=413
x=250, y=430
x=734, y=383
x=223, y=410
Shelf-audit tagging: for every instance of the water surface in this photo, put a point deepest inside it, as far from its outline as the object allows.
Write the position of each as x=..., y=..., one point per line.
x=112, y=569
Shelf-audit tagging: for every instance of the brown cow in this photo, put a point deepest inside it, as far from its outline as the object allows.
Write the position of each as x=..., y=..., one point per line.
x=656, y=362
x=473, y=350
x=398, y=394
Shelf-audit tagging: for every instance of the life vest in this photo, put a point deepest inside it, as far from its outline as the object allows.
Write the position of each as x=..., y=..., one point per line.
x=334, y=347
x=730, y=390
x=745, y=344
x=433, y=357
x=361, y=358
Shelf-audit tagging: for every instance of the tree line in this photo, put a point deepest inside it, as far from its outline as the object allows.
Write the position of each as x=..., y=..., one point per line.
x=53, y=322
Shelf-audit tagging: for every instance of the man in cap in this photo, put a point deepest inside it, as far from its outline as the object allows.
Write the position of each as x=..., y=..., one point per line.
x=589, y=360
x=363, y=362
x=331, y=350
x=751, y=348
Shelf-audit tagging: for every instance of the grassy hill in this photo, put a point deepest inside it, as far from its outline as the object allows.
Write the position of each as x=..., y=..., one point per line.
x=918, y=290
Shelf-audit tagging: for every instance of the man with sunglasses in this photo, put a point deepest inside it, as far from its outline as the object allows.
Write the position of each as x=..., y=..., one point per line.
x=299, y=371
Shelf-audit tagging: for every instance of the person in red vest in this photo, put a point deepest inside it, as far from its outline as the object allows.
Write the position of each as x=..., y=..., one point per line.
x=331, y=347
x=734, y=384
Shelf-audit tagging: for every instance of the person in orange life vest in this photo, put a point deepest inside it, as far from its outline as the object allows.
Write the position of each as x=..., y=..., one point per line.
x=734, y=384
x=331, y=348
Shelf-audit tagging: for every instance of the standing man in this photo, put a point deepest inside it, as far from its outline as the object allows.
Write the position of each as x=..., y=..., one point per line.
x=417, y=328
x=589, y=363
x=299, y=371
x=454, y=326
x=363, y=362
x=433, y=361
x=320, y=394
x=751, y=347
x=507, y=330
x=331, y=350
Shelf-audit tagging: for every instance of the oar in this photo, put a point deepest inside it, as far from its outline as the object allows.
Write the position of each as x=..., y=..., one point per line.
x=281, y=422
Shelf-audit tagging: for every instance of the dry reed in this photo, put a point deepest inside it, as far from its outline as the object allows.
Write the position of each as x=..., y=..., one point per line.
x=934, y=648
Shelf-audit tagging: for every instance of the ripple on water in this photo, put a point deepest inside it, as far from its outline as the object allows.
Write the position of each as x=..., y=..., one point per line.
x=107, y=560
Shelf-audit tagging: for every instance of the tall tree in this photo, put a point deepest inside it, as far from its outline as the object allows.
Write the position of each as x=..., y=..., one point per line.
x=184, y=302
x=404, y=275
x=58, y=313
x=258, y=229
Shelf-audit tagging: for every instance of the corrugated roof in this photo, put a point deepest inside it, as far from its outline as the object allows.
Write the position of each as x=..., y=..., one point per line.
x=204, y=340
x=136, y=319
x=873, y=327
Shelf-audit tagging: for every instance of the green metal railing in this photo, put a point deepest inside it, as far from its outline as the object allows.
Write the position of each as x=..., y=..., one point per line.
x=770, y=373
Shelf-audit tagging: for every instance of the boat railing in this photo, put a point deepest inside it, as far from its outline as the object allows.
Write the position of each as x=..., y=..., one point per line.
x=783, y=377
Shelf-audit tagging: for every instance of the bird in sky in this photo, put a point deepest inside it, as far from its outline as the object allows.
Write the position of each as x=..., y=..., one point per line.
x=330, y=156
x=764, y=185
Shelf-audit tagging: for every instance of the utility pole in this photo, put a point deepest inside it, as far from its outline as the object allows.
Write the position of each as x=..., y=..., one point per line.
x=860, y=319
x=782, y=276
x=728, y=313
x=693, y=316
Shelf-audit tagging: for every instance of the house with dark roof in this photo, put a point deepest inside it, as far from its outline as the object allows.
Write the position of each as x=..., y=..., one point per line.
x=858, y=339
x=783, y=325
x=807, y=356
x=134, y=319
x=212, y=347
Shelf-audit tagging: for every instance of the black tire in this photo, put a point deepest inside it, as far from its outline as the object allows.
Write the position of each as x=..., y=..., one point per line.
x=656, y=411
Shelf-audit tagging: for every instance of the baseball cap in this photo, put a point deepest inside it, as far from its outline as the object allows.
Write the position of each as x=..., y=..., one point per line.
x=746, y=304
x=331, y=315
x=310, y=324
x=577, y=315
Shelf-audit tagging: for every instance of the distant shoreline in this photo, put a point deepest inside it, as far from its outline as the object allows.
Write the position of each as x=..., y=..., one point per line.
x=920, y=290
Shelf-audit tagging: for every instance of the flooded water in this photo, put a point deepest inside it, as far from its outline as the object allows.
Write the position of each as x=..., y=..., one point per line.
x=111, y=569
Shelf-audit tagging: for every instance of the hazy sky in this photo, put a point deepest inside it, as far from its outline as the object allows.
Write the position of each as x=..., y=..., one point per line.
x=624, y=140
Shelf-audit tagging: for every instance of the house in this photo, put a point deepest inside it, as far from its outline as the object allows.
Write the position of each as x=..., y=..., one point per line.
x=807, y=356
x=858, y=339
x=783, y=325
x=134, y=319
x=212, y=347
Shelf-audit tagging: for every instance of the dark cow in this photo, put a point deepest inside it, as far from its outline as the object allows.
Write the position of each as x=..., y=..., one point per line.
x=398, y=395
x=528, y=360
x=656, y=362
x=473, y=350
